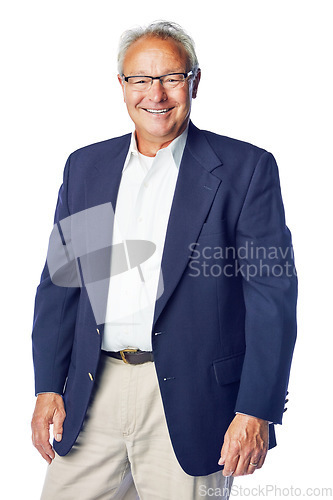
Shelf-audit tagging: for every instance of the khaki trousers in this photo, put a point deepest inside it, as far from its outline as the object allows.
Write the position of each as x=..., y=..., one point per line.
x=124, y=451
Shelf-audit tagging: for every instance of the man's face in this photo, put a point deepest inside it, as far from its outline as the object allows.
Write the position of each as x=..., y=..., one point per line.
x=156, y=57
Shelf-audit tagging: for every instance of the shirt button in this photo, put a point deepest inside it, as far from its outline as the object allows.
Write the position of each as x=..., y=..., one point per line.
x=140, y=219
x=146, y=184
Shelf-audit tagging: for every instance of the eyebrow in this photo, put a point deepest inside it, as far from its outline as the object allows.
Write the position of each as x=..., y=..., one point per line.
x=143, y=73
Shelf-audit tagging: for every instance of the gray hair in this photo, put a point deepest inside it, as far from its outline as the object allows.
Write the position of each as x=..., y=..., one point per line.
x=159, y=29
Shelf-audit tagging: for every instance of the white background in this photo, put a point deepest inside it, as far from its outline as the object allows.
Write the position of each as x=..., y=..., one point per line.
x=266, y=79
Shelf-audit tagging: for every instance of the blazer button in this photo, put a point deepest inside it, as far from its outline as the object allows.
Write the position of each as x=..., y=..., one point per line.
x=90, y=376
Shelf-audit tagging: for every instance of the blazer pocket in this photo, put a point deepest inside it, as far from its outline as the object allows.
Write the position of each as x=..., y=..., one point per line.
x=213, y=227
x=229, y=370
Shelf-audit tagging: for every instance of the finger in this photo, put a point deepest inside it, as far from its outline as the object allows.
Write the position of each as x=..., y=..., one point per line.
x=257, y=460
x=242, y=468
x=44, y=447
x=230, y=465
x=253, y=464
x=48, y=453
x=232, y=458
x=58, y=421
x=224, y=452
x=261, y=460
x=40, y=439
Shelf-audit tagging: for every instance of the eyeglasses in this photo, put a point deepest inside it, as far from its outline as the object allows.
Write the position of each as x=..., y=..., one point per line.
x=170, y=81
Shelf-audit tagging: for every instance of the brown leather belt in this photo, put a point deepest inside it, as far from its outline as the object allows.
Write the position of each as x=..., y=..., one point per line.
x=132, y=356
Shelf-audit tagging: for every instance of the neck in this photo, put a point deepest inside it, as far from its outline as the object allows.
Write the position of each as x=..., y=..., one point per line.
x=149, y=147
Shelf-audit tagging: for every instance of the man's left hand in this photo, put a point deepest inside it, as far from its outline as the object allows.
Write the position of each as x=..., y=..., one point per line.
x=245, y=446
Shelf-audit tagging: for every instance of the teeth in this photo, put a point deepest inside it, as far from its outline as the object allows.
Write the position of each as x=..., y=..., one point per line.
x=157, y=111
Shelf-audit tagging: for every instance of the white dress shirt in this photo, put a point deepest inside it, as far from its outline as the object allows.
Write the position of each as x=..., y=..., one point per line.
x=142, y=212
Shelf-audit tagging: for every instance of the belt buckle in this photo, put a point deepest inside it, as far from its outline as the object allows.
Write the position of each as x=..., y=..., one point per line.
x=122, y=354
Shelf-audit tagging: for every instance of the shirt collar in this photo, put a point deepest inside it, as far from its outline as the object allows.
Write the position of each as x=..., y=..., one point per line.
x=176, y=148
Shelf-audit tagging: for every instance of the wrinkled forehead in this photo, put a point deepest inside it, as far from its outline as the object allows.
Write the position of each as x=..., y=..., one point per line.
x=151, y=54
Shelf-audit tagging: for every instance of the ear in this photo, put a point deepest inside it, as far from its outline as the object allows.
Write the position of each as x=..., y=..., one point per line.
x=120, y=80
x=196, y=84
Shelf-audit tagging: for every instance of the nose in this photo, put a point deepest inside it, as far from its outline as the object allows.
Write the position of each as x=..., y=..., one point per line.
x=157, y=92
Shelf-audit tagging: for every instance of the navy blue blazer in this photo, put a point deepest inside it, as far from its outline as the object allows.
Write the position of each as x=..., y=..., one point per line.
x=225, y=326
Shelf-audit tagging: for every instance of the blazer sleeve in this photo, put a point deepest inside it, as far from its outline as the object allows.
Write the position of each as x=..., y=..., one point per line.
x=265, y=255
x=54, y=317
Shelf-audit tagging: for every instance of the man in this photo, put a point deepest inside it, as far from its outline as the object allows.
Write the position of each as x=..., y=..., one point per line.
x=179, y=368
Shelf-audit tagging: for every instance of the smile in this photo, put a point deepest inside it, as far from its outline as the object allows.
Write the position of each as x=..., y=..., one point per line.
x=157, y=111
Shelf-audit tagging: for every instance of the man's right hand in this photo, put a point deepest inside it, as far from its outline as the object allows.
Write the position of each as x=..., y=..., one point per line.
x=49, y=410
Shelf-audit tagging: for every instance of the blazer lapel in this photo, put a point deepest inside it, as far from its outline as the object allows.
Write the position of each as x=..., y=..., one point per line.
x=195, y=190
x=102, y=184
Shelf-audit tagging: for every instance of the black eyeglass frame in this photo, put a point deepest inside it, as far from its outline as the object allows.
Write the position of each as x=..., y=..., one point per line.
x=185, y=75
